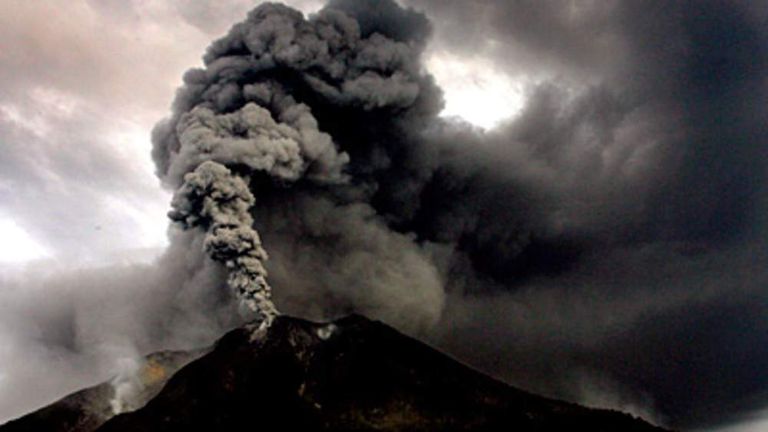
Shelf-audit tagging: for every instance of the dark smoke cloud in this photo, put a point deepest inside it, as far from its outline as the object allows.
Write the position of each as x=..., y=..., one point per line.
x=557, y=250
x=317, y=114
x=641, y=153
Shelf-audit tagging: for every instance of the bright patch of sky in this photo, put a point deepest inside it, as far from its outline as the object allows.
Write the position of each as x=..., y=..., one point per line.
x=16, y=245
x=475, y=91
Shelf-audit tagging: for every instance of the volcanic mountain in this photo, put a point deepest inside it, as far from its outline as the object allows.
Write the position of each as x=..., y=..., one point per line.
x=349, y=375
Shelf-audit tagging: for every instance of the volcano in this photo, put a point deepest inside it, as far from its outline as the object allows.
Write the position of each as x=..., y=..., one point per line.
x=352, y=374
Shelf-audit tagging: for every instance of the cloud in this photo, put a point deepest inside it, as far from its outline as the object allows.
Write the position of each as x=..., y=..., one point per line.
x=639, y=151
x=615, y=203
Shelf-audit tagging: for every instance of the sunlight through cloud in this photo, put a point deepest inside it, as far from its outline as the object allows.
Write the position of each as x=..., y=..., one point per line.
x=475, y=91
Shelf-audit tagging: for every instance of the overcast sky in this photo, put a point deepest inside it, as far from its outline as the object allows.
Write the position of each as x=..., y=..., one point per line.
x=632, y=133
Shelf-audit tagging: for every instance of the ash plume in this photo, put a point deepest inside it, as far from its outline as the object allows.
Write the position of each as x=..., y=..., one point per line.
x=211, y=197
x=291, y=129
x=623, y=195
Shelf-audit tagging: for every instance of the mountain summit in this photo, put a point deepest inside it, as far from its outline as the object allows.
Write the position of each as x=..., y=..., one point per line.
x=350, y=375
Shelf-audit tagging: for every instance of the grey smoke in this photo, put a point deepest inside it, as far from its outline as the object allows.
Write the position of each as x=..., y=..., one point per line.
x=255, y=109
x=623, y=200
x=219, y=202
x=640, y=152
x=65, y=329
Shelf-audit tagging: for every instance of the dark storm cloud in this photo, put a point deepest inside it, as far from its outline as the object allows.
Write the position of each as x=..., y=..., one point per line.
x=680, y=82
x=643, y=145
x=623, y=199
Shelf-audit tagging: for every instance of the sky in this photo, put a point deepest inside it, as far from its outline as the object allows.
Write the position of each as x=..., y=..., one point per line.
x=572, y=200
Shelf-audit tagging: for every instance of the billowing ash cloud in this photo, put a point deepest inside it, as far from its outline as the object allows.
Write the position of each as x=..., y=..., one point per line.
x=295, y=127
x=553, y=251
x=211, y=197
x=639, y=161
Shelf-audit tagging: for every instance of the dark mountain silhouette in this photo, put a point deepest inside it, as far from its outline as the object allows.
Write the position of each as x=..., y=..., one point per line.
x=87, y=409
x=350, y=375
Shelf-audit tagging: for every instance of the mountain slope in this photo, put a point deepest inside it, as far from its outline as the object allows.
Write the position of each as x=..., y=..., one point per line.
x=351, y=375
x=87, y=409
